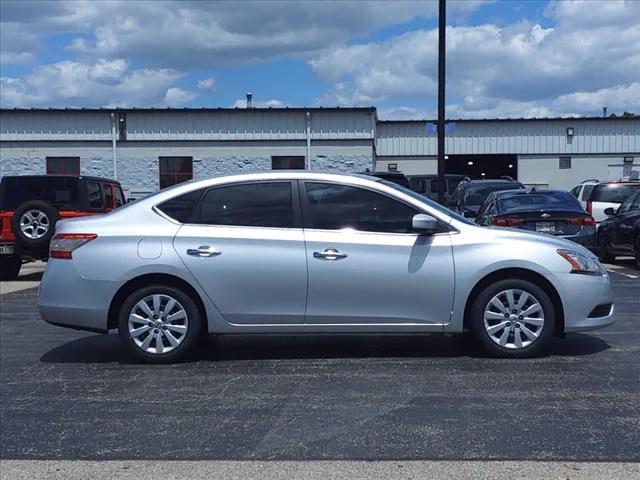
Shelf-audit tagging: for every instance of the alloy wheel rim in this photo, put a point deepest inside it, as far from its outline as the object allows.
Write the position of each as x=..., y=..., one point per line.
x=514, y=319
x=34, y=224
x=158, y=324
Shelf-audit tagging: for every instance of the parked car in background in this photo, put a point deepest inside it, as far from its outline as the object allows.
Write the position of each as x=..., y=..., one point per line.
x=596, y=196
x=471, y=194
x=427, y=185
x=396, y=177
x=30, y=206
x=298, y=253
x=554, y=212
x=620, y=233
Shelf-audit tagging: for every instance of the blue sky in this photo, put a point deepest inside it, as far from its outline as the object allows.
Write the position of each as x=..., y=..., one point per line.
x=508, y=58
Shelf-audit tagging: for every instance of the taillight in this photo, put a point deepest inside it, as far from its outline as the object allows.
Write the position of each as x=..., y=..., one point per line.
x=63, y=244
x=589, y=208
x=506, y=221
x=584, y=221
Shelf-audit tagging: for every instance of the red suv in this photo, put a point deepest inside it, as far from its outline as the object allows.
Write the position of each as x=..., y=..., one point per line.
x=31, y=205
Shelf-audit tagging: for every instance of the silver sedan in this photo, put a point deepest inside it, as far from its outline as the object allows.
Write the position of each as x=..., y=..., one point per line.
x=301, y=252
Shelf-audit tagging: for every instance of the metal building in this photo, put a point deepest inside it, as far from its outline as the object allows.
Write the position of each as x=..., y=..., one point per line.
x=147, y=149
x=553, y=152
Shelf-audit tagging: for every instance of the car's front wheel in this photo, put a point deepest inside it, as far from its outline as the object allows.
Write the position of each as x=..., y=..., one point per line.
x=513, y=318
x=159, y=324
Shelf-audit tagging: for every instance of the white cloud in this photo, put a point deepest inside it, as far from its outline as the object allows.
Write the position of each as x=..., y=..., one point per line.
x=77, y=84
x=616, y=99
x=519, y=70
x=208, y=84
x=177, y=97
x=196, y=34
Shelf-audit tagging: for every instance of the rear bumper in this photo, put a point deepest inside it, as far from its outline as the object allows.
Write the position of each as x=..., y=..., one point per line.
x=66, y=299
x=580, y=294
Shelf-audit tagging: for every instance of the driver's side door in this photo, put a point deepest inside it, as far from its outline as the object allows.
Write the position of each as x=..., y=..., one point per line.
x=366, y=264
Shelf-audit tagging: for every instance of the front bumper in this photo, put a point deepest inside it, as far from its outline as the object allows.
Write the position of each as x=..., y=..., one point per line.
x=580, y=294
x=68, y=300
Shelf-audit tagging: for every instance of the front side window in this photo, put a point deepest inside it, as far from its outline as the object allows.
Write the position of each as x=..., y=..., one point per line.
x=174, y=170
x=335, y=207
x=267, y=204
x=627, y=205
x=63, y=166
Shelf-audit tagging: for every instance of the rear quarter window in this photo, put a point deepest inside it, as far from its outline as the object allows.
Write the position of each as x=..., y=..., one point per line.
x=181, y=207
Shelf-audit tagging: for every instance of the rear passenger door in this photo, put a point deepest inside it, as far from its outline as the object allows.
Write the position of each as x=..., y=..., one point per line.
x=244, y=244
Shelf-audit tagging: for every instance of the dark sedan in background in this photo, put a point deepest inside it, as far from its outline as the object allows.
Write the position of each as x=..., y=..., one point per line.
x=620, y=233
x=554, y=212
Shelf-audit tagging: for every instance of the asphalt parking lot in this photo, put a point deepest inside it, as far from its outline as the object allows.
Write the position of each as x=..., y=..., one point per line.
x=73, y=395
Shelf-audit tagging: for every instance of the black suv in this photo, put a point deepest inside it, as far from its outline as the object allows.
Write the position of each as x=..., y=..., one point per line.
x=471, y=194
x=30, y=206
x=620, y=233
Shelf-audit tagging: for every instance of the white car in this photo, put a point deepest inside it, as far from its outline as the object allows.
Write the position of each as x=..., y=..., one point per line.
x=596, y=196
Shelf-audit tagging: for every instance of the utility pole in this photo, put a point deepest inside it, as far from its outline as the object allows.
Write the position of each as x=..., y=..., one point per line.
x=442, y=26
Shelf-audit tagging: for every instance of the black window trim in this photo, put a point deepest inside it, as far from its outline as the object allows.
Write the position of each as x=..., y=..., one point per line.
x=295, y=204
x=302, y=191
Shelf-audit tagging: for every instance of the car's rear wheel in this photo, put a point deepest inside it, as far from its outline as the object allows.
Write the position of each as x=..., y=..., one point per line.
x=513, y=318
x=10, y=267
x=605, y=252
x=159, y=324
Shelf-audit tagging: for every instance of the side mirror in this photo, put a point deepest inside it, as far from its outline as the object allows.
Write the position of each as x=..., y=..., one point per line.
x=609, y=211
x=423, y=223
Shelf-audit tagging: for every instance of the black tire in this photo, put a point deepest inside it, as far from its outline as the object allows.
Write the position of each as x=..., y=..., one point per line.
x=636, y=250
x=476, y=320
x=10, y=267
x=605, y=253
x=26, y=243
x=191, y=337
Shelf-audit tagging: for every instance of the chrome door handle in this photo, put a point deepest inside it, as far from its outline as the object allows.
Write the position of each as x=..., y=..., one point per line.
x=203, y=251
x=329, y=254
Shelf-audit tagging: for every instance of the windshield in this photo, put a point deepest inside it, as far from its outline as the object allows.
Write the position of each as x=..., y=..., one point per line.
x=476, y=195
x=551, y=201
x=431, y=203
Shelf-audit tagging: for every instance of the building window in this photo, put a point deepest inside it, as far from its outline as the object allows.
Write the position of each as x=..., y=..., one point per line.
x=565, y=163
x=175, y=170
x=63, y=165
x=287, y=163
x=392, y=167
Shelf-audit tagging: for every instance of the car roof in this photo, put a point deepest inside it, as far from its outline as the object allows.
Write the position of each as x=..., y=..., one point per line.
x=79, y=177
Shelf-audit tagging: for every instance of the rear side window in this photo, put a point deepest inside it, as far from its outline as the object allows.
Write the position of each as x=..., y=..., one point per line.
x=62, y=192
x=94, y=192
x=108, y=195
x=586, y=193
x=119, y=196
x=181, y=208
x=335, y=207
x=267, y=204
x=614, y=192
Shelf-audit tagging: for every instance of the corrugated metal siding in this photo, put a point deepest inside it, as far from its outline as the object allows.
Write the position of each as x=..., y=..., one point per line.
x=518, y=137
x=247, y=125
x=25, y=125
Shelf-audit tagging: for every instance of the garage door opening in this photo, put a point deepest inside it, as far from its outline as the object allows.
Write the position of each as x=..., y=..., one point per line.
x=479, y=167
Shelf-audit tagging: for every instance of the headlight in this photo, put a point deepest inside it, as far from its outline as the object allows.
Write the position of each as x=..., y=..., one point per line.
x=581, y=263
